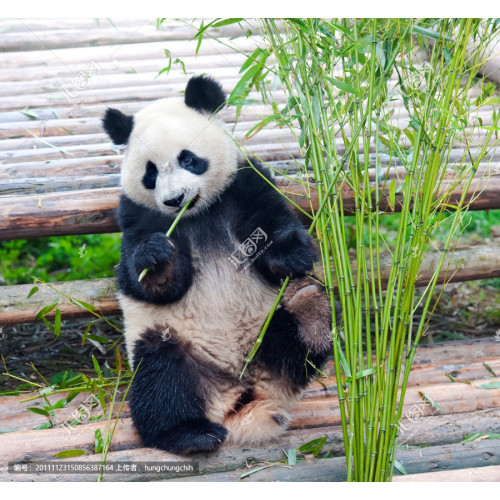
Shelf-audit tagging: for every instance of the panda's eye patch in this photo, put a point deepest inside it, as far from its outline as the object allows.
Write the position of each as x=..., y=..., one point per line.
x=192, y=163
x=149, y=179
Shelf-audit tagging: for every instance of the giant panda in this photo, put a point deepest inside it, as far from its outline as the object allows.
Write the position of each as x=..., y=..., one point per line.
x=193, y=319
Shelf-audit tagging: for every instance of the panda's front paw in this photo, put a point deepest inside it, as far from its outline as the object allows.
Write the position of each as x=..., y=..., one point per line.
x=292, y=255
x=156, y=255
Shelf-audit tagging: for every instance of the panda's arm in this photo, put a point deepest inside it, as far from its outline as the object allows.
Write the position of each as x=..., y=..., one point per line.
x=283, y=245
x=145, y=246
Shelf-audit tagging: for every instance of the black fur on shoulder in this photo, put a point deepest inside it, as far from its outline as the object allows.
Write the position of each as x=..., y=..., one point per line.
x=166, y=403
x=118, y=125
x=204, y=94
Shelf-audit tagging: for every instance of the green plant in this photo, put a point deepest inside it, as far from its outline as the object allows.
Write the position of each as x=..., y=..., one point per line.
x=59, y=258
x=343, y=80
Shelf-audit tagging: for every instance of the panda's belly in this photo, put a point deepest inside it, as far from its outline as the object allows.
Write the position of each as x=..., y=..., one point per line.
x=220, y=316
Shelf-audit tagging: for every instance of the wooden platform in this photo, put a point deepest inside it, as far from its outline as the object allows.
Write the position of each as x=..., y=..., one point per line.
x=430, y=438
x=59, y=175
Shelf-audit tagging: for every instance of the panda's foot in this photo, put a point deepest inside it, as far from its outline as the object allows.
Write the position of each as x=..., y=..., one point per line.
x=256, y=423
x=193, y=437
x=308, y=302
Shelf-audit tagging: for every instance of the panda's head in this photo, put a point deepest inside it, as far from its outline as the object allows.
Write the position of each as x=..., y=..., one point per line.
x=177, y=149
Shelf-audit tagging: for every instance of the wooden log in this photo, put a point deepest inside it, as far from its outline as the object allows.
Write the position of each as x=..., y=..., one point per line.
x=317, y=413
x=264, y=149
x=77, y=167
x=90, y=211
x=456, y=357
x=50, y=184
x=98, y=80
x=16, y=147
x=14, y=25
x=334, y=469
x=476, y=474
x=142, y=31
x=99, y=292
x=16, y=416
x=178, y=49
x=464, y=265
x=118, y=67
x=216, y=466
x=81, y=173
x=64, y=213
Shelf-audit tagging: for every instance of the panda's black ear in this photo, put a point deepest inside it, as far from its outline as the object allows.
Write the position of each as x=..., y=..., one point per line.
x=118, y=125
x=204, y=94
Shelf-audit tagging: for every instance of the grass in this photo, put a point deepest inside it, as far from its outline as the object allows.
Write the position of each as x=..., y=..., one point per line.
x=59, y=258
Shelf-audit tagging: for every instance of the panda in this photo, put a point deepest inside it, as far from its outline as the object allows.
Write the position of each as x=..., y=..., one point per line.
x=193, y=319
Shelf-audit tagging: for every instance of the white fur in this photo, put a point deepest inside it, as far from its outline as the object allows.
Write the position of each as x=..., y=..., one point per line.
x=161, y=131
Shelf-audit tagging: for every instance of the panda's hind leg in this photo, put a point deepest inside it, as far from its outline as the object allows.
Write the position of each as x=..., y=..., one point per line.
x=166, y=398
x=261, y=413
x=308, y=302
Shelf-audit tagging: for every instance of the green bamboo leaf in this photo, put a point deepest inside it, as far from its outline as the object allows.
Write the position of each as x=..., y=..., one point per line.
x=183, y=66
x=45, y=310
x=363, y=373
x=490, y=385
x=470, y=437
x=60, y=404
x=57, y=323
x=38, y=411
x=98, y=338
x=253, y=471
x=259, y=126
x=102, y=398
x=47, y=323
x=257, y=55
x=488, y=367
x=83, y=305
x=386, y=142
x=72, y=395
x=478, y=435
x=346, y=87
x=97, y=368
x=243, y=87
x=46, y=425
x=98, y=441
x=70, y=453
x=86, y=332
x=400, y=467
x=409, y=134
x=292, y=456
x=30, y=114
x=392, y=194
x=32, y=292
x=343, y=360
x=430, y=401
x=431, y=34
x=227, y=22
x=313, y=447
x=199, y=35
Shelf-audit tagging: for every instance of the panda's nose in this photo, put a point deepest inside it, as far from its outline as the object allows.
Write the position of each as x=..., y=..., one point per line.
x=174, y=202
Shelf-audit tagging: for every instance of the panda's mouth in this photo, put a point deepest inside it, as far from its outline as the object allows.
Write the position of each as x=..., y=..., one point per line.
x=192, y=203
